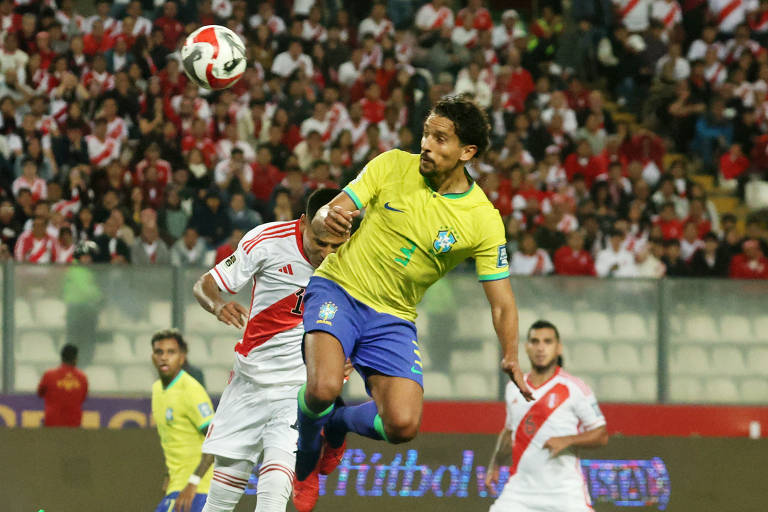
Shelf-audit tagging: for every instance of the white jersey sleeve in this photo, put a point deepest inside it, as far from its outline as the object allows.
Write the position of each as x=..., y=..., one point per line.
x=587, y=409
x=236, y=271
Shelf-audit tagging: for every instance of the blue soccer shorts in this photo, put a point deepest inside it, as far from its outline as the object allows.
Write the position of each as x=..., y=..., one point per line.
x=170, y=501
x=374, y=342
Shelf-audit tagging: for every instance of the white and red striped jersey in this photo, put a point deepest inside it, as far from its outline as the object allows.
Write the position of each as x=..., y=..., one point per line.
x=729, y=14
x=102, y=152
x=429, y=18
x=667, y=12
x=35, y=250
x=110, y=24
x=378, y=29
x=337, y=117
x=117, y=129
x=105, y=80
x=63, y=254
x=313, y=32
x=562, y=406
x=36, y=186
x=275, y=23
x=634, y=14
x=272, y=257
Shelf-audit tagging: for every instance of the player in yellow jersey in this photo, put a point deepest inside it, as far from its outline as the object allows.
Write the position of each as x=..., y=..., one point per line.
x=182, y=411
x=423, y=216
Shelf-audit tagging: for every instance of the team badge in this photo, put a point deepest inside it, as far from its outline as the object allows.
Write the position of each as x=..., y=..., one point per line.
x=327, y=312
x=443, y=241
x=169, y=414
x=501, y=260
x=205, y=409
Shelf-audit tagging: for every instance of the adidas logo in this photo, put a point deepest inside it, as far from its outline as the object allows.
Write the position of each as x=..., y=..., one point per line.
x=286, y=270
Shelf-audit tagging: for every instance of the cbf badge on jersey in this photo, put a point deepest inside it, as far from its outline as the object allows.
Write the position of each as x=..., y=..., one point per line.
x=327, y=312
x=204, y=409
x=169, y=414
x=444, y=240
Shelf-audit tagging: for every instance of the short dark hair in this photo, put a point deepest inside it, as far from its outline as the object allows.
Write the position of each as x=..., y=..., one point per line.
x=173, y=334
x=318, y=199
x=469, y=120
x=543, y=324
x=69, y=354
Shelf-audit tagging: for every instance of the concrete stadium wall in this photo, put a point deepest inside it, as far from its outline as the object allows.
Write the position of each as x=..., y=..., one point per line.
x=62, y=470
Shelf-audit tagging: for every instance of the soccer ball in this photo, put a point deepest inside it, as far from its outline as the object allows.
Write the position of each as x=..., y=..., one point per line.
x=213, y=57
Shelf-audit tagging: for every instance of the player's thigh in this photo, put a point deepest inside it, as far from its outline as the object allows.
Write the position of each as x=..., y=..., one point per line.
x=280, y=433
x=324, y=357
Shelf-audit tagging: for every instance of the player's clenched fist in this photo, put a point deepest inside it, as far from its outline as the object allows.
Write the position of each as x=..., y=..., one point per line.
x=512, y=368
x=231, y=313
x=338, y=221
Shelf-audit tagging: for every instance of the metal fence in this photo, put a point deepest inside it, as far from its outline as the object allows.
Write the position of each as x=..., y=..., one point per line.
x=671, y=340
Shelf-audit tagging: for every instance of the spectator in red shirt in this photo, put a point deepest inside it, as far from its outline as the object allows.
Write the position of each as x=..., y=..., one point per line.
x=171, y=27
x=97, y=42
x=751, y=264
x=733, y=163
x=64, y=390
x=373, y=107
x=265, y=175
x=572, y=259
x=671, y=227
x=582, y=162
x=517, y=82
x=228, y=248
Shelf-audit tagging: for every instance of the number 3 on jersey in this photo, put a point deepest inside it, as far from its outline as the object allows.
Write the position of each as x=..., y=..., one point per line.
x=299, y=300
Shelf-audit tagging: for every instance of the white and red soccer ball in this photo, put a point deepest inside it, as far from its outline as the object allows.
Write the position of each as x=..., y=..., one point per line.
x=213, y=57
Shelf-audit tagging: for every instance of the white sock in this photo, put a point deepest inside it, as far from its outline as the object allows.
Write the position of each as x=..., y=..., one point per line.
x=229, y=480
x=275, y=480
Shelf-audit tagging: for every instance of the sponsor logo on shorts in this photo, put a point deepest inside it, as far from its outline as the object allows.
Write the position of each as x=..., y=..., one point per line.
x=327, y=312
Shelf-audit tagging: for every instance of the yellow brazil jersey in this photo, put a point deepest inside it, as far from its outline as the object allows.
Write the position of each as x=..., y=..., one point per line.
x=411, y=236
x=182, y=411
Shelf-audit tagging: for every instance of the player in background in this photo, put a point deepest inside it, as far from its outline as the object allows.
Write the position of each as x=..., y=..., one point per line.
x=64, y=390
x=182, y=411
x=257, y=413
x=424, y=215
x=545, y=474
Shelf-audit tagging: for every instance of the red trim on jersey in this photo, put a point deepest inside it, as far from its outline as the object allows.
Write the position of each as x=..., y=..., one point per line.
x=579, y=383
x=282, y=228
x=269, y=322
x=534, y=419
x=285, y=235
x=557, y=372
x=300, y=242
x=623, y=12
x=222, y=281
x=727, y=10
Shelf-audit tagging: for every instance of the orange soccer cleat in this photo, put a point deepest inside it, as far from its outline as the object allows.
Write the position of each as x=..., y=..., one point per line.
x=331, y=457
x=306, y=492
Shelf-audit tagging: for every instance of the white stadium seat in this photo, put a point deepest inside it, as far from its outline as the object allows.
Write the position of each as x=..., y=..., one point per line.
x=474, y=385
x=595, y=324
x=689, y=360
x=757, y=361
x=101, y=379
x=623, y=357
x=646, y=388
x=50, y=312
x=198, y=348
x=721, y=390
x=565, y=323
x=36, y=347
x=26, y=378
x=223, y=350
x=160, y=314
x=754, y=391
x=727, y=361
x=648, y=357
x=437, y=385
x=631, y=326
x=701, y=328
x=216, y=378
x=137, y=378
x=616, y=388
x=526, y=317
x=354, y=389
x=22, y=314
x=198, y=319
x=735, y=328
x=685, y=389
x=586, y=356
x=760, y=324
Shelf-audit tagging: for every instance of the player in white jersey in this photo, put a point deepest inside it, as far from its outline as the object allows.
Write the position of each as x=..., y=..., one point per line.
x=255, y=417
x=545, y=474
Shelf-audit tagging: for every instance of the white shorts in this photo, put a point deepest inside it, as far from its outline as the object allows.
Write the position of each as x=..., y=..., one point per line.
x=511, y=502
x=252, y=417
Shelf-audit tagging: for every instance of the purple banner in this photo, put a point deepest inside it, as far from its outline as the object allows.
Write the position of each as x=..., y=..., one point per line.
x=28, y=410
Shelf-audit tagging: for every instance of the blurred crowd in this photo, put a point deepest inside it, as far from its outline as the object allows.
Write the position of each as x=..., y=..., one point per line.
x=103, y=137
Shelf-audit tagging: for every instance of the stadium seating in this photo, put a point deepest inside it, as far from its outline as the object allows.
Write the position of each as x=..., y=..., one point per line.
x=36, y=347
x=50, y=312
x=689, y=360
x=685, y=389
x=754, y=390
x=474, y=385
x=437, y=385
x=354, y=389
x=761, y=327
x=160, y=315
x=757, y=361
x=565, y=323
x=701, y=328
x=646, y=389
x=22, y=314
x=616, y=388
x=26, y=378
x=624, y=358
x=216, y=378
x=588, y=356
x=102, y=379
x=631, y=326
x=222, y=350
x=727, y=361
x=137, y=379
x=198, y=348
x=736, y=328
x=595, y=324
x=721, y=390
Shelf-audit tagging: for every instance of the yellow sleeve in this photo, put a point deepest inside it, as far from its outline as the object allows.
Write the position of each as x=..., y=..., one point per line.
x=491, y=254
x=199, y=406
x=367, y=184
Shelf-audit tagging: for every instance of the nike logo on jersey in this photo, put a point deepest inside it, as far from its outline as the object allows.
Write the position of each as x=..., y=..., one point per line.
x=388, y=207
x=286, y=270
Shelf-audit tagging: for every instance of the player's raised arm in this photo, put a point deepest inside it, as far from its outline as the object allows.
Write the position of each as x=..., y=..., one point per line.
x=504, y=312
x=208, y=294
x=337, y=215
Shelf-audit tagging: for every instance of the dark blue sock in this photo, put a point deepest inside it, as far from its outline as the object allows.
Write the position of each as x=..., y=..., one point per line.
x=361, y=419
x=310, y=425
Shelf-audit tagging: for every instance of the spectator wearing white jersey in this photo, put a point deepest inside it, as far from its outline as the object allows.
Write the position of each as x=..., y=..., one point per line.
x=544, y=471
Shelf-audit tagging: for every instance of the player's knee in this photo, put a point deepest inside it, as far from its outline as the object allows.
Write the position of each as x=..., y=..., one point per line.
x=401, y=427
x=323, y=389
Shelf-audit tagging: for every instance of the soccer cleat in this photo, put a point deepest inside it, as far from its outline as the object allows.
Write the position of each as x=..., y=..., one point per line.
x=306, y=462
x=331, y=457
x=306, y=492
